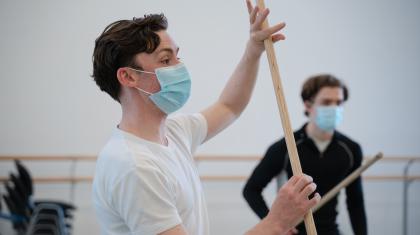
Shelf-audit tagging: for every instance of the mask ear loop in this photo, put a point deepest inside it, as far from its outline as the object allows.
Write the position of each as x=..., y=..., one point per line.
x=142, y=71
x=146, y=92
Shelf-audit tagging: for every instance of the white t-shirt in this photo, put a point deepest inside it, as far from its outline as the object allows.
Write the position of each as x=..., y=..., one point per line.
x=141, y=187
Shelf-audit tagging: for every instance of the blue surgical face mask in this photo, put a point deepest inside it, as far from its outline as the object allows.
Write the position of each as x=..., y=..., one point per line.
x=328, y=117
x=175, y=87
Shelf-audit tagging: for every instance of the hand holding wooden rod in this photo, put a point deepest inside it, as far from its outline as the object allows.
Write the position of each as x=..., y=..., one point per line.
x=284, y=115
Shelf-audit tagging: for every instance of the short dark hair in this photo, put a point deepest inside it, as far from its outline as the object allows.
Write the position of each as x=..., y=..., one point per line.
x=119, y=43
x=315, y=83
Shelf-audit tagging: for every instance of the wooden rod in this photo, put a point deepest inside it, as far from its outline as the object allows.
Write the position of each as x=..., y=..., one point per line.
x=391, y=177
x=344, y=183
x=348, y=180
x=284, y=116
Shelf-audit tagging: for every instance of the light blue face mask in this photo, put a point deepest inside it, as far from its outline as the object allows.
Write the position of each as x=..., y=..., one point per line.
x=175, y=87
x=328, y=117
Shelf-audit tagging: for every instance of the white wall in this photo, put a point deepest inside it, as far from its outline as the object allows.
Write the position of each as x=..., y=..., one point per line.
x=50, y=105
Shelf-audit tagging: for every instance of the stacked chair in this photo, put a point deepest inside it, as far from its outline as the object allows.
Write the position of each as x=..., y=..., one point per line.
x=33, y=217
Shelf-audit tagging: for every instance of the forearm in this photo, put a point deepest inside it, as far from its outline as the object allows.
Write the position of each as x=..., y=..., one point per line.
x=358, y=220
x=237, y=92
x=356, y=207
x=267, y=227
x=357, y=213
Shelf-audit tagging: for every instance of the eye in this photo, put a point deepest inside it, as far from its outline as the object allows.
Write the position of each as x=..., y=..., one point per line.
x=165, y=61
x=326, y=102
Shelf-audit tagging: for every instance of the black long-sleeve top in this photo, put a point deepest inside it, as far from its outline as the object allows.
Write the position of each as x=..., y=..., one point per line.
x=341, y=157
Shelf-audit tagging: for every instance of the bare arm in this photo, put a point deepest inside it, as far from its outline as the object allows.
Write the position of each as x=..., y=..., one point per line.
x=237, y=92
x=177, y=230
x=289, y=207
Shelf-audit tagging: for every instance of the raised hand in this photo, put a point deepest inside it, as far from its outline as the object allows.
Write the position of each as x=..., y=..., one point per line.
x=257, y=33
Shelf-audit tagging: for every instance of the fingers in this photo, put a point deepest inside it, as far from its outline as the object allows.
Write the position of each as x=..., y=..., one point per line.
x=292, y=231
x=303, y=181
x=259, y=31
x=251, y=11
x=293, y=180
x=249, y=6
x=253, y=15
x=308, y=190
x=261, y=16
x=277, y=37
x=268, y=32
x=313, y=201
x=276, y=28
x=304, y=187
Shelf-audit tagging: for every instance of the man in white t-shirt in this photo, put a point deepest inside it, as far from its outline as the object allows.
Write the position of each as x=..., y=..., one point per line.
x=145, y=180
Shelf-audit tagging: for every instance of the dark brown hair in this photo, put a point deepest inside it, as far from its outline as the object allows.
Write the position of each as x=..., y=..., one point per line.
x=119, y=43
x=314, y=84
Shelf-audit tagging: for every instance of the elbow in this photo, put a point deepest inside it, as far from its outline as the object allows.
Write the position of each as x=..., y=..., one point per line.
x=249, y=192
x=245, y=192
x=234, y=108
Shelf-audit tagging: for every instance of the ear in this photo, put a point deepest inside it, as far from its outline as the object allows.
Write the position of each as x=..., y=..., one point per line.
x=125, y=77
x=308, y=106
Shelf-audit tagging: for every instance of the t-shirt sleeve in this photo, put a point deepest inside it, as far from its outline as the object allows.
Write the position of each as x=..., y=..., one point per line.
x=145, y=200
x=193, y=127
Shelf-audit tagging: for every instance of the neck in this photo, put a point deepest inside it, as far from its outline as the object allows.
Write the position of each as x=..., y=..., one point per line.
x=314, y=131
x=144, y=120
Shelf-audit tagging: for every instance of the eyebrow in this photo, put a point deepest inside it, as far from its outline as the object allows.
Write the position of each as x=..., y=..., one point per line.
x=332, y=100
x=167, y=49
